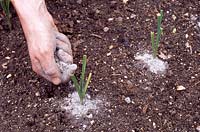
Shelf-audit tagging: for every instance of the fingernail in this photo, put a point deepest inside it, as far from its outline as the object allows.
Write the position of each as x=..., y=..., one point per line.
x=56, y=81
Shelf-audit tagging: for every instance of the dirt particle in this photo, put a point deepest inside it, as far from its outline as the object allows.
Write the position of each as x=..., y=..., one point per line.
x=128, y=100
x=198, y=128
x=8, y=76
x=180, y=88
x=105, y=29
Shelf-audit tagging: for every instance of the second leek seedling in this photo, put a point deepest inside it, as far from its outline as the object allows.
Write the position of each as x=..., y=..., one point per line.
x=159, y=31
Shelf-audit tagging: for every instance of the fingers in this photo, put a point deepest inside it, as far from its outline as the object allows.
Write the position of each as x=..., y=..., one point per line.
x=62, y=37
x=38, y=69
x=51, y=69
x=65, y=57
x=47, y=68
x=63, y=43
x=64, y=54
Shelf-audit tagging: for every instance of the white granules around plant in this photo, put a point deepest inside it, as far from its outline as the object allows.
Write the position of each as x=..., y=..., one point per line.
x=155, y=65
x=72, y=105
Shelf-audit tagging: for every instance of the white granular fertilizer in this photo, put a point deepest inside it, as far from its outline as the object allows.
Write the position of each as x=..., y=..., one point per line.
x=72, y=104
x=155, y=65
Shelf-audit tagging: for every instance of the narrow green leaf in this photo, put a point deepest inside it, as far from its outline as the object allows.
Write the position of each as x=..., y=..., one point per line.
x=87, y=83
x=160, y=16
x=152, y=43
x=75, y=81
x=82, y=80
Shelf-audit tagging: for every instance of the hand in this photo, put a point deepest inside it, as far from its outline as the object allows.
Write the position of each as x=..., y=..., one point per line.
x=43, y=52
x=45, y=42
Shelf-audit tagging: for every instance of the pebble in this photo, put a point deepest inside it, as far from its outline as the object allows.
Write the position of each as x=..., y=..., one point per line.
x=132, y=16
x=199, y=24
x=108, y=54
x=186, y=36
x=174, y=17
x=174, y=30
x=84, y=126
x=8, y=76
x=198, y=128
x=125, y=1
x=111, y=47
x=89, y=116
x=37, y=94
x=4, y=65
x=8, y=58
x=128, y=100
x=92, y=122
x=154, y=125
x=105, y=29
x=110, y=19
x=180, y=88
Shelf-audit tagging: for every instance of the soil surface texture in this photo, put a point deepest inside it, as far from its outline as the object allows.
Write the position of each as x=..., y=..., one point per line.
x=110, y=33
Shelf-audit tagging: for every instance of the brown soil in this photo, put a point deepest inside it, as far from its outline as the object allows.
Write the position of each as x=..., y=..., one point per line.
x=156, y=104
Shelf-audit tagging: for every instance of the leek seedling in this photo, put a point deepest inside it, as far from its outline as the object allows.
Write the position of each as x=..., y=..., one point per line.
x=159, y=32
x=5, y=4
x=81, y=87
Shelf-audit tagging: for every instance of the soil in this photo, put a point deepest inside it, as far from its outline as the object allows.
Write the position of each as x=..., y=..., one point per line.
x=28, y=103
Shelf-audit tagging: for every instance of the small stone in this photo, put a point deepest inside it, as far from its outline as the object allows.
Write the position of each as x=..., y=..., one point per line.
x=4, y=65
x=187, y=45
x=37, y=94
x=186, y=36
x=105, y=29
x=186, y=14
x=128, y=100
x=132, y=16
x=111, y=47
x=174, y=17
x=154, y=125
x=92, y=122
x=84, y=127
x=180, y=88
x=198, y=128
x=8, y=58
x=78, y=21
x=8, y=76
x=198, y=24
x=89, y=116
x=125, y=1
x=97, y=11
x=174, y=30
x=163, y=56
x=110, y=19
x=108, y=54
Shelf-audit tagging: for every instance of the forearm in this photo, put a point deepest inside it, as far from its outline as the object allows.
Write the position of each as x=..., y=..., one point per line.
x=30, y=12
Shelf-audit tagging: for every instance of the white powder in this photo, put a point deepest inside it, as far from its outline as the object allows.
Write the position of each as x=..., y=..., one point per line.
x=72, y=105
x=155, y=65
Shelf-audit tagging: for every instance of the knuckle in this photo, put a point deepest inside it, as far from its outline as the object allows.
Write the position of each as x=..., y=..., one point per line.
x=50, y=71
x=44, y=52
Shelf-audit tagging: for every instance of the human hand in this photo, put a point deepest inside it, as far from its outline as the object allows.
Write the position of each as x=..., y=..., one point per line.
x=45, y=42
